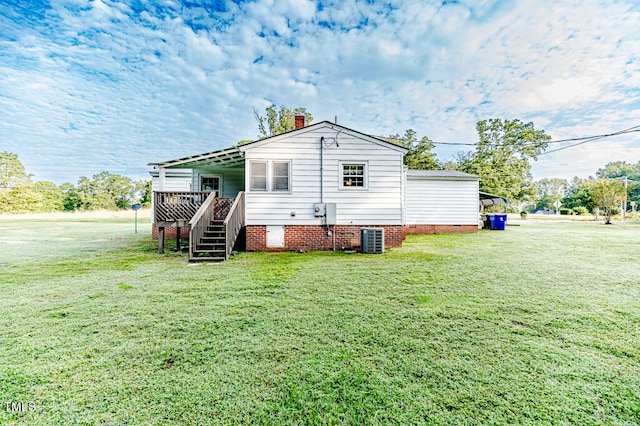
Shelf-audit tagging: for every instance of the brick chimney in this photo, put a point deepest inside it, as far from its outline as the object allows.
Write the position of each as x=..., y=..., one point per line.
x=299, y=121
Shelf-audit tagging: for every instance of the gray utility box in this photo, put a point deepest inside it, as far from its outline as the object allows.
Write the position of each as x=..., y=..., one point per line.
x=372, y=240
x=330, y=216
x=326, y=210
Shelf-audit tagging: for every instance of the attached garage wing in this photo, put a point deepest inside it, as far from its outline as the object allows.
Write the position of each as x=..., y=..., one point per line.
x=441, y=197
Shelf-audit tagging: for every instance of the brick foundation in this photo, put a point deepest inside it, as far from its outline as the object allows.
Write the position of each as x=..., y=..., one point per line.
x=170, y=232
x=313, y=237
x=438, y=229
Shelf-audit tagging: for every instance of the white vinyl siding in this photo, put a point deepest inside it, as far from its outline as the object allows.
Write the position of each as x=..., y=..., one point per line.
x=173, y=181
x=441, y=202
x=380, y=204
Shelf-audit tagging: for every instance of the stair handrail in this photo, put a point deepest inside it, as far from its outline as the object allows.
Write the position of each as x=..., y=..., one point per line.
x=233, y=223
x=199, y=222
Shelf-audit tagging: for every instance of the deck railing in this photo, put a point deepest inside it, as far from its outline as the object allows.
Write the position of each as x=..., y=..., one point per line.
x=177, y=206
x=198, y=210
x=234, y=222
x=200, y=221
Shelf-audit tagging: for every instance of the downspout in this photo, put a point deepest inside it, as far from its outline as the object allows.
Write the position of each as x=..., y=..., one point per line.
x=322, y=191
x=321, y=169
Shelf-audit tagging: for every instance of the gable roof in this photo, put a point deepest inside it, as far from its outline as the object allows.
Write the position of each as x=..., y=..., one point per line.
x=234, y=156
x=374, y=139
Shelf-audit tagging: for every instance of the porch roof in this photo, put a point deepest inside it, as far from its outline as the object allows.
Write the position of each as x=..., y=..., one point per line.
x=227, y=157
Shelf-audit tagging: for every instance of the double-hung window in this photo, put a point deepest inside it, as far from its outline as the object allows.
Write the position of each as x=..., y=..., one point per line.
x=258, y=176
x=270, y=176
x=280, y=176
x=353, y=175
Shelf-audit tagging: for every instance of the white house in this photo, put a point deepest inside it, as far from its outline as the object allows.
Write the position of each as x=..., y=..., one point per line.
x=314, y=187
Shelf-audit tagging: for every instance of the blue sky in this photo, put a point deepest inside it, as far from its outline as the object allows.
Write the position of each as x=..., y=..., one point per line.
x=87, y=86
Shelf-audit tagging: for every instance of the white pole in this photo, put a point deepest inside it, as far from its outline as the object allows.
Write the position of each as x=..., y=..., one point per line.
x=161, y=178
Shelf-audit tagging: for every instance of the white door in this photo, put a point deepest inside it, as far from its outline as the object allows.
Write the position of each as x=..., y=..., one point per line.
x=275, y=236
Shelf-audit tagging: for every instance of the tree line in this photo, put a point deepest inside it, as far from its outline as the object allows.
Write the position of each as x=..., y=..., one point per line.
x=502, y=158
x=614, y=185
x=103, y=191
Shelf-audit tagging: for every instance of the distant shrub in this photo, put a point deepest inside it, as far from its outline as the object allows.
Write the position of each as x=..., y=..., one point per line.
x=565, y=211
x=581, y=210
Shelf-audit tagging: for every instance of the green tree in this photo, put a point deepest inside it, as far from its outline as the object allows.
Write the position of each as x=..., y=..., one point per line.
x=606, y=194
x=106, y=191
x=279, y=120
x=19, y=199
x=72, y=200
x=459, y=161
x=622, y=169
x=503, y=158
x=143, y=193
x=420, y=155
x=17, y=193
x=550, y=190
x=618, y=169
x=12, y=172
x=578, y=194
x=51, y=197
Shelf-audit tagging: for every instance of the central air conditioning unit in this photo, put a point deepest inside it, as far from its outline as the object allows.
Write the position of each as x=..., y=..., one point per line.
x=372, y=240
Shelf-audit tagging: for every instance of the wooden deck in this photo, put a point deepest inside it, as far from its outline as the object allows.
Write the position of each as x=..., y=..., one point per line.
x=196, y=210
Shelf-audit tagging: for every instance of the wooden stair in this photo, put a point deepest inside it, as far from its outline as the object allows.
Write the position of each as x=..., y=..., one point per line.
x=212, y=245
x=214, y=229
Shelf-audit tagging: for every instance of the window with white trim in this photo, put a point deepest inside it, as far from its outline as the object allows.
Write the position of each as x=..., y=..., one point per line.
x=280, y=176
x=270, y=176
x=210, y=183
x=353, y=175
x=258, y=176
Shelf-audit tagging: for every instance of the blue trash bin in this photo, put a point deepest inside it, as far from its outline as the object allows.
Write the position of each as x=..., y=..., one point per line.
x=492, y=221
x=498, y=222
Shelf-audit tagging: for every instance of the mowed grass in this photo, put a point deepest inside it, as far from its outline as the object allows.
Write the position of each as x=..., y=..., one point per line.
x=539, y=324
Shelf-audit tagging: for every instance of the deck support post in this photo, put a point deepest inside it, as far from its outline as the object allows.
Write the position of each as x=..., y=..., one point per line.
x=178, y=238
x=161, y=239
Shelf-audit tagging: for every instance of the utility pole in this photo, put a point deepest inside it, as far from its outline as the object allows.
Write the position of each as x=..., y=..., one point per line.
x=624, y=199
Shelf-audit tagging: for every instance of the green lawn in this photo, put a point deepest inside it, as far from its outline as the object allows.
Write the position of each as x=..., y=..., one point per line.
x=539, y=324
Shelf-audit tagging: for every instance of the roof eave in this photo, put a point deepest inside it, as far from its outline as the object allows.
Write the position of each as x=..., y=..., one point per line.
x=225, y=154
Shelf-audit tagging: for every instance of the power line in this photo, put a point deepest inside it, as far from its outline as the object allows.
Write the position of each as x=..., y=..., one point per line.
x=595, y=138
x=580, y=140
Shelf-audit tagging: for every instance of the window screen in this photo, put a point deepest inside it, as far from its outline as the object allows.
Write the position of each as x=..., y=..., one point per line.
x=258, y=176
x=280, y=176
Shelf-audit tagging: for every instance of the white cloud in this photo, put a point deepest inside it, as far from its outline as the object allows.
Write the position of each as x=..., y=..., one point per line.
x=100, y=77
